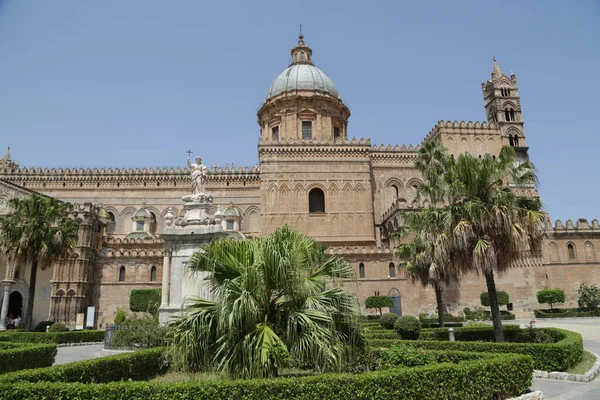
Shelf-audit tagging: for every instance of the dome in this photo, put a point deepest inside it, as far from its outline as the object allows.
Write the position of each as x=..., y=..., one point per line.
x=232, y=212
x=302, y=77
x=142, y=213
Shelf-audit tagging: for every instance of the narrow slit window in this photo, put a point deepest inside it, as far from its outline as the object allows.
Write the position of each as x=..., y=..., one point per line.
x=122, y=274
x=392, y=270
x=306, y=130
x=153, y=274
x=361, y=270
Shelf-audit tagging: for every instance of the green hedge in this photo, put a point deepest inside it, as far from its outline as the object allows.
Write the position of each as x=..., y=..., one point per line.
x=559, y=356
x=434, y=320
x=139, y=365
x=566, y=313
x=53, y=337
x=382, y=334
x=144, y=300
x=470, y=334
x=17, y=356
x=426, y=325
x=501, y=376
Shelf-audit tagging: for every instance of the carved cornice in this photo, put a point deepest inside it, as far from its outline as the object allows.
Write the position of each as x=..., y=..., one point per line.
x=358, y=250
x=318, y=148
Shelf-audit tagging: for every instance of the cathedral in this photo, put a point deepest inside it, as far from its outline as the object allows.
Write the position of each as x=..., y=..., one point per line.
x=312, y=175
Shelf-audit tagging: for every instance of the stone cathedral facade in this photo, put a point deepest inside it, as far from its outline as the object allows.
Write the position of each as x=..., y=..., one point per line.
x=312, y=175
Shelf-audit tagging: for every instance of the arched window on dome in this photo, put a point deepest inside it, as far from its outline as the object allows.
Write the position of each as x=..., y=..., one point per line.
x=275, y=133
x=302, y=56
x=316, y=201
x=306, y=130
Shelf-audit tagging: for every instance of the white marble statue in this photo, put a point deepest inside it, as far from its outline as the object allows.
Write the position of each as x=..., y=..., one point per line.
x=198, y=172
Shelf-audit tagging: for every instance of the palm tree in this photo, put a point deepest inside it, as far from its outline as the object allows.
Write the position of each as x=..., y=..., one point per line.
x=428, y=258
x=492, y=224
x=37, y=230
x=276, y=301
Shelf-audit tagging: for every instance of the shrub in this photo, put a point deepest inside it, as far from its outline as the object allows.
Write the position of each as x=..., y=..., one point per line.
x=589, y=296
x=503, y=298
x=550, y=296
x=408, y=327
x=378, y=302
x=387, y=320
x=566, y=351
x=41, y=326
x=144, y=300
x=17, y=356
x=141, y=333
x=57, y=337
x=120, y=316
x=59, y=327
x=533, y=335
x=139, y=365
x=502, y=376
x=566, y=313
x=406, y=356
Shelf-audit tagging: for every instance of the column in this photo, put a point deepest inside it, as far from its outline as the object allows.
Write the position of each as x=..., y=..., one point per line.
x=5, y=299
x=165, y=279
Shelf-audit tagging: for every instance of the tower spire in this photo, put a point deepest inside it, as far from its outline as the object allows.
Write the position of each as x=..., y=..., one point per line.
x=496, y=72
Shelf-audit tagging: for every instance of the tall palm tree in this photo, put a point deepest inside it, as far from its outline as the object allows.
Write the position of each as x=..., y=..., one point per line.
x=492, y=224
x=275, y=301
x=39, y=231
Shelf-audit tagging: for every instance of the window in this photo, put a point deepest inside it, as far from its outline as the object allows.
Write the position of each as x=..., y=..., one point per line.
x=505, y=92
x=511, y=141
x=316, y=201
x=571, y=249
x=275, y=134
x=139, y=226
x=229, y=224
x=361, y=270
x=153, y=274
x=111, y=223
x=396, y=195
x=511, y=113
x=306, y=130
x=336, y=133
x=506, y=114
x=122, y=274
x=153, y=222
x=392, y=270
x=516, y=141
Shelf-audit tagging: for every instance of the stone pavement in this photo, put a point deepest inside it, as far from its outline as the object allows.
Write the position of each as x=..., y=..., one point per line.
x=553, y=389
x=77, y=353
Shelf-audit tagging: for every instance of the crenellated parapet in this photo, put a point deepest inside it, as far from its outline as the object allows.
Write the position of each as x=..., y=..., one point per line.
x=100, y=177
x=568, y=227
x=461, y=127
x=396, y=154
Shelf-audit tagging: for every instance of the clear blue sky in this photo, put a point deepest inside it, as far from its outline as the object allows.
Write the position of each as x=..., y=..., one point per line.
x=137, y=83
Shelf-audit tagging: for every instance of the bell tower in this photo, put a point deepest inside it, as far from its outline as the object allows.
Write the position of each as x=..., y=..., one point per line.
x=503, y=107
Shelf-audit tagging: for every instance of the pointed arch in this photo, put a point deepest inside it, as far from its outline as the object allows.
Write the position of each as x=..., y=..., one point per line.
x=333, y=188
x=283, y=189
x=359, y=187
x=590, y=254
x=571, y=251
x=298, y=189
x=272, y=188
x=347, y=188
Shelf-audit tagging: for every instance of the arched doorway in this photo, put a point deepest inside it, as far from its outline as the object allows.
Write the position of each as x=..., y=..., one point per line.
x=15, y=305
x=397, y=307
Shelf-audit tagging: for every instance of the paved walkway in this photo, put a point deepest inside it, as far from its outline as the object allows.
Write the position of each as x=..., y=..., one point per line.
x=553, y=389
x=66, y=355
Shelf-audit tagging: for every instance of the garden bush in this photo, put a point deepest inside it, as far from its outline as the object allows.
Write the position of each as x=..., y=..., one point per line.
x=495, y=377
x=589, y=296
x=503, y=298
x=437, y=324
x=59, y=327
x=56, y=337
x=139, y=365
x=566, y=313
x=141, y=333
x=379, y=302
x=388, y=320
x=144, y=300
x=17, y=356
x=434, y=318
x=565, y=352
x=41, y=326
x=406, y=356
x=408, y=327
x=550, y=296
x=381, y=334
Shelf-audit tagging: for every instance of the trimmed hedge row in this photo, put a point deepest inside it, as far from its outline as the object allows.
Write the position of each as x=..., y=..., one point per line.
x=566, y=313
x=500, y=376
x=559, y=356
x=53, y=337
x=470, y=334
x=17, y=356
x=427, y=325
x=139, y=365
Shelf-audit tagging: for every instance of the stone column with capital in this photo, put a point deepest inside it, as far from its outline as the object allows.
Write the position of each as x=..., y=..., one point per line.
x=165, y=279
x=5, y=300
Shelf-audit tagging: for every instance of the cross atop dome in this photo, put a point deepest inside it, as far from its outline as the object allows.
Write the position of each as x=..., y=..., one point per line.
x=301, y=54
